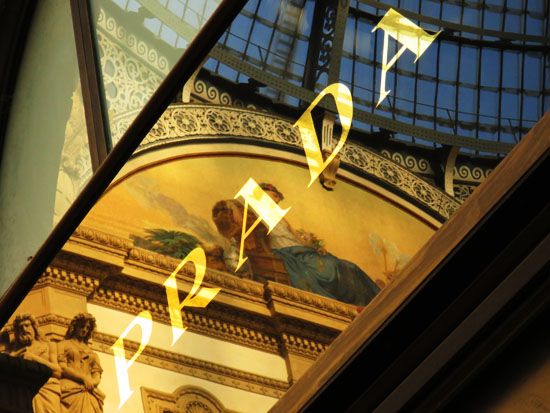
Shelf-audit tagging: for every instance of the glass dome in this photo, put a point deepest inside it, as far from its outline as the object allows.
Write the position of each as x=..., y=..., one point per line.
x=484, y=81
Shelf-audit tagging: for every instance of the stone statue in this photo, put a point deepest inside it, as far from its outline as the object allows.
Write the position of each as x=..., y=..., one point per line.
x=30, y=345
x=80, y=368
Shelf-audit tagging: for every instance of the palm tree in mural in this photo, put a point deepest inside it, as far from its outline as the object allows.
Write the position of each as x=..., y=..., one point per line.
x=176, y=244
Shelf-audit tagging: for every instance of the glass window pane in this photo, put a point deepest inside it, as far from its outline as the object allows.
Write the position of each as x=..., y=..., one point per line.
x=532, y=72
x=446, y=97
x=132, y=70
x=451, y=12
x=448, y=61
x=430, y=8
x=46, y=158
x=531, y=108
x=467, y=100
x=469, y=64
x=511, y=75
x=488, y=105
x=492, y=20
x=510, y=105
x=471, y=17
x=490, y=64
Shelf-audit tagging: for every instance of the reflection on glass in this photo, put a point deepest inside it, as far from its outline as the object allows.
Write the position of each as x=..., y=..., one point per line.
x=76, y=165
x=172, y=337
x=46, y=158
x=138, y=43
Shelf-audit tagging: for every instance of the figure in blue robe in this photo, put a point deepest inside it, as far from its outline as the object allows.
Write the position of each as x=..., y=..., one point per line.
x=314, y=269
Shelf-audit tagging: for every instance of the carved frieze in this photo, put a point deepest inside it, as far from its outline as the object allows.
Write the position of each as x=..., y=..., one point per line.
x=205, y=92
x=184, y=122
x=131, y=71
x=414, y=164
x=67, y=280
x=188, y=399
x=180, y=363
x=471, y=173
x=230, y=330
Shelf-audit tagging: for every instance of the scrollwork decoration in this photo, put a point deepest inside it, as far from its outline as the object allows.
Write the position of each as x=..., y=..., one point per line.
x=462, y=192
x=209, y=93
x=182, y=122
x=131, y=71
x=473, y=174
x=413, y=164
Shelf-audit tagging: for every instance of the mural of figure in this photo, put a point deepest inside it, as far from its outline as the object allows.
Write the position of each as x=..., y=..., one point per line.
x=309, y=266
x=80, y=368
x=30, y=345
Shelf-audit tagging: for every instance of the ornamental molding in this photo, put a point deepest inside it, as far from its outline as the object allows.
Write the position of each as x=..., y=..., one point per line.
x=305, y=347
x=186, y=122
x=107, y=242
x=190, y=366
x=67, y=280
x=322, y=305
x=462, y=192
x=131, y=71
x=182, y=364
x=249, y=289
x=412, y=163
x=304, y=338
x=206, y=92
x=137, y=256
x=471, y=173
x=244, y=329
x=117, y=33
x=400, y=178
x=307, y=330
x=57, y=320
x=231, y=323
x=229, y=328
x=188, y=399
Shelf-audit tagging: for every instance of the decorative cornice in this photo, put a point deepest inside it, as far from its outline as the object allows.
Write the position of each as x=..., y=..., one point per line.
x=203, y=369
x=412, y=163
x=84, y=234
x=188, y=399
x=197, y=322
x=313, y=302
x=227, y=322
x=471, y=173
x=184, y=122
x=303, y=346
x=220, y=279
x=67, y=280
x=55, y=319
x=143, y=256
x=400, y=178
x=182, y=364
x=219, y=320
x=204, y=91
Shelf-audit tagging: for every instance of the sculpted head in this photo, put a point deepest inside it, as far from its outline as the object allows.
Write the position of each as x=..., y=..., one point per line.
x=25, y=329
x=272, y=191
x=81, y=328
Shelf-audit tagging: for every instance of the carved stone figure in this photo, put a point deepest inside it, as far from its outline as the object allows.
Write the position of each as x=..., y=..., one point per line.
x=80, y=368
x=30, y=345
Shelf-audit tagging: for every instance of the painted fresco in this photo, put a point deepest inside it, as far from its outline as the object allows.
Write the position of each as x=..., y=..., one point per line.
x=344, y=244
